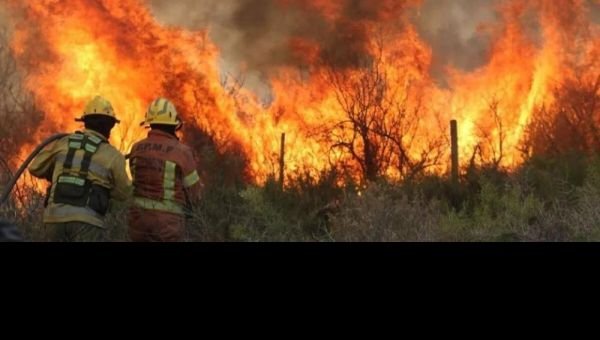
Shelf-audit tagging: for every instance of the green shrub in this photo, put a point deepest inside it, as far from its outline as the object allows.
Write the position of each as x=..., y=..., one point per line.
x=501, y=213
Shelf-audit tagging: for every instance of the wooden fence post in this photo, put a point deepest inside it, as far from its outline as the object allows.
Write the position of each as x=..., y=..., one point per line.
x=282, y=162
x=455, y=162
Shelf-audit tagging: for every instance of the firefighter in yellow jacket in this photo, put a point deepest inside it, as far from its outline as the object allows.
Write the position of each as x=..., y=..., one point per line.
x=85, y=172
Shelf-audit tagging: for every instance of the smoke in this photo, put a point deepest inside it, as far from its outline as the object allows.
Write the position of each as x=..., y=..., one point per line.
x=455, y=31
x=594, y=6
x=257, y=33
x=256, y=37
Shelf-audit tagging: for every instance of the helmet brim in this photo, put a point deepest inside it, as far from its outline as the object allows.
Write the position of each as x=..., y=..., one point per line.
x=161, y=123
x=82, y=119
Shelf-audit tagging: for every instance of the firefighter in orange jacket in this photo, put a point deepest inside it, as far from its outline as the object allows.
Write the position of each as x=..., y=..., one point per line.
x=85, y=172
x=165, y=178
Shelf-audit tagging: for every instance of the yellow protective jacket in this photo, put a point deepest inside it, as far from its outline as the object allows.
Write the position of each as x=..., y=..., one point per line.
x=107, y=169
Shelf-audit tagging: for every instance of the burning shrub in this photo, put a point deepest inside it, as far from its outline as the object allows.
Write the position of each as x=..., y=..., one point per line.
x=571, y=124
x=18, y=113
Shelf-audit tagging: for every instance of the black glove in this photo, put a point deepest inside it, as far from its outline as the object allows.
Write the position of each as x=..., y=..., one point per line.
x=9, y=233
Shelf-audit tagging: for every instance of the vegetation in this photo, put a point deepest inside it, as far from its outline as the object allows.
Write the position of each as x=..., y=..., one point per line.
x=550, y=200
x=553, y=196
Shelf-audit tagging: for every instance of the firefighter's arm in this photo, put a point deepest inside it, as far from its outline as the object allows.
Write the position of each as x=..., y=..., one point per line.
x=191, y=179
x=193, y=185
x=122, y=186
x=42, y=165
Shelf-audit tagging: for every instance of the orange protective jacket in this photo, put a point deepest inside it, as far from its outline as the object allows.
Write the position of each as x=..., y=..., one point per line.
x=165, y=180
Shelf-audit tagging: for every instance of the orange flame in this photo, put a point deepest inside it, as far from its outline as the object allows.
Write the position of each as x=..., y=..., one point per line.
x=71, y=50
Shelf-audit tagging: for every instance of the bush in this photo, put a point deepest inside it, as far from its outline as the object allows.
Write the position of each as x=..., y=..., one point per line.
x=25, y=208
x=546, y=200
x=577, y=219
x=385, y=213
x=499, y=213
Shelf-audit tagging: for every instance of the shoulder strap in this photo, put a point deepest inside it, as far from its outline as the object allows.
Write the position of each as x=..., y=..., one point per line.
x=92, y=144
x=76, y=142
x=89, y=144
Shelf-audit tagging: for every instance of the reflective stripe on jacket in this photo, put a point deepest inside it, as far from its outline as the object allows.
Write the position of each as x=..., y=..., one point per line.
x=164, y=173
x=107, y=169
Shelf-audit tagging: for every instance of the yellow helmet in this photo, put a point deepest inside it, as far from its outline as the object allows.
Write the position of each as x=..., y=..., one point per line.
x=162, y=111
x=99, y=106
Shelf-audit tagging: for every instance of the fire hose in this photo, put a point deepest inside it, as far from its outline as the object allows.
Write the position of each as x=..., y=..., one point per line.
x=11, y=184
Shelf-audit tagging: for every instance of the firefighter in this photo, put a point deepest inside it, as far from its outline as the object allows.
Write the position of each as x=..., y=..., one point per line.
x=165, y=178
x=85, y=172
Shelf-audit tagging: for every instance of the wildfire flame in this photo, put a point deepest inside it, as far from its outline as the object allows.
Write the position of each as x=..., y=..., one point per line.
x=72, y=50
